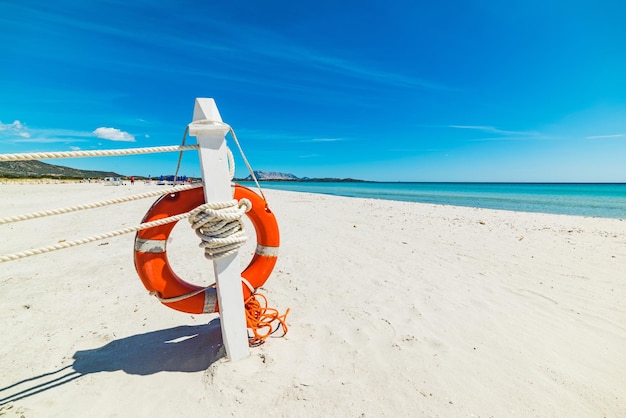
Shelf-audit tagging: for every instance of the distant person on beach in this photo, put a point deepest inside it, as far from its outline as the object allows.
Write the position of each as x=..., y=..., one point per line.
x=132, y=180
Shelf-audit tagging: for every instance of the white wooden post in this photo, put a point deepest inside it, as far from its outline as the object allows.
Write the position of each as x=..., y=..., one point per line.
x=217, y=188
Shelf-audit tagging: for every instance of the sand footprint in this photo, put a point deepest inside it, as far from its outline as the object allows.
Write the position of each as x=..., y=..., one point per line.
x=366, y=321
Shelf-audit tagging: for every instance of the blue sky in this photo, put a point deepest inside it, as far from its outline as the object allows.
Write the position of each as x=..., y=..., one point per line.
x=391, y=91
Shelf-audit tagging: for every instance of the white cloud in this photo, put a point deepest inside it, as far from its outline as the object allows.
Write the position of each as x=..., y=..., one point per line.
x=14, y=129
x=5, y=126
x=73, y=148
x=113, y=134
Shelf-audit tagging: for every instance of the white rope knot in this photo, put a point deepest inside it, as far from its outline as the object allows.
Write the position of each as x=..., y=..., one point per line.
x=220, y=227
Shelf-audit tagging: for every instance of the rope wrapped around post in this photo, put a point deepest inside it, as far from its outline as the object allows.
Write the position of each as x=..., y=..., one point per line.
x=220, y=227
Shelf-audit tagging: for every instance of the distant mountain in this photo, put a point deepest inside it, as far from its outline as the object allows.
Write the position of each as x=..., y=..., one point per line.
x=37, y=169
x=272, y=175
x=276, y=176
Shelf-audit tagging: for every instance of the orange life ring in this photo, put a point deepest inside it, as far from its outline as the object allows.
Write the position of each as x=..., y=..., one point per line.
x=158, y=277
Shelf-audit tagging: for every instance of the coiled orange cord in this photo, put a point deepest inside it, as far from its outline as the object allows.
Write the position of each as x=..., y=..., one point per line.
x=261, y=320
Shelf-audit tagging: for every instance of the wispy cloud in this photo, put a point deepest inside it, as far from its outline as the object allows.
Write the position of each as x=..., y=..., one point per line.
x=259, y=46
x=113, y=134
x=249, y=55
x=14, y=129
x=500, y=134
x=323, y=140
x=17, y=132
x=606, y=136
x=278, y=136
x=46, y=140
x=491, y=129
x=368, y=73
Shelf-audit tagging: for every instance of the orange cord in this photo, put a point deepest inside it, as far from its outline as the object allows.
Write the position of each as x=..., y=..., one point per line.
x=260, y=319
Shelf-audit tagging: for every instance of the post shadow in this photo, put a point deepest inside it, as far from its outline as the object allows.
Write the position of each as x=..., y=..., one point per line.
x=187, y=348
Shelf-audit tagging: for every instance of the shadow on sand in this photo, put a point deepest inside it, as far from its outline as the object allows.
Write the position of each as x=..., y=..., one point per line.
x=180, y=349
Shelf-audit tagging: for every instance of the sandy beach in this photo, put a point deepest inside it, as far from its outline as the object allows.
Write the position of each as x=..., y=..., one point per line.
x=396, y=310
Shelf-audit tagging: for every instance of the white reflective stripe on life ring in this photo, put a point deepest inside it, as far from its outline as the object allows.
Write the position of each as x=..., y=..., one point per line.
x=150, y=245
x=262, y=250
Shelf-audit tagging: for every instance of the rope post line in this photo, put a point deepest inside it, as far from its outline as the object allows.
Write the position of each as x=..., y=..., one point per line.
x=210, y=132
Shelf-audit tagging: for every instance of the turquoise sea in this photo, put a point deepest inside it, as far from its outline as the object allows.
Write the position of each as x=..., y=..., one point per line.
x=604, y=200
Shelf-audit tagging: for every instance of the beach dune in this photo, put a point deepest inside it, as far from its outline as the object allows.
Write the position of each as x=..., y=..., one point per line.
x=396, y=309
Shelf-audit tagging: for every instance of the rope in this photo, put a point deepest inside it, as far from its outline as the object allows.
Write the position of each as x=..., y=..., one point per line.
x=94, y=205
x=231, y=163
x=96, y=153
x=180, y=155
x=219, y=226
x=262, y=320
x=231, y=159
x=68, y=244
x=245, y=160
x=178, y=298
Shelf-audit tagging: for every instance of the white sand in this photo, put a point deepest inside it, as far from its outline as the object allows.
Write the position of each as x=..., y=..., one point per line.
x=397, y=309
